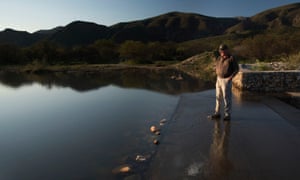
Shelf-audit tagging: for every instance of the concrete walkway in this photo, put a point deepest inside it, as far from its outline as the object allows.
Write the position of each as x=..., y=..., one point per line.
x=261, y=142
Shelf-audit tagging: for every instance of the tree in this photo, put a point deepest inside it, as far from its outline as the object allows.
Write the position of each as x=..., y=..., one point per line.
x=46, y=52
x=11, y=54
x=135, y=51
x=84, y=54
x=107, y=51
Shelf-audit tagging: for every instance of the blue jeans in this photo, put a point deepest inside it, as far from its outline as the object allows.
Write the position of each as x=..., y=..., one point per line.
x=223, y=92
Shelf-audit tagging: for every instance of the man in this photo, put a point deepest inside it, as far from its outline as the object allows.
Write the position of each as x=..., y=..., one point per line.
x=226, y=69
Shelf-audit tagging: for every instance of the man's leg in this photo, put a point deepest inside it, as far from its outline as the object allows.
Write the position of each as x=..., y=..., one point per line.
x=227, y=98
x=219, y=96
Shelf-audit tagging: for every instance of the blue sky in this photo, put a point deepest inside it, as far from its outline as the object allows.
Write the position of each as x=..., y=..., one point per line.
x=33, y=15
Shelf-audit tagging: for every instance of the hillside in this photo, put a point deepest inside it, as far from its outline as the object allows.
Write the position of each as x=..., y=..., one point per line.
x=273, y=19
x=80, y=33
x=173, y=26
x=49, y=31
x=199, y=66
x=21, y=38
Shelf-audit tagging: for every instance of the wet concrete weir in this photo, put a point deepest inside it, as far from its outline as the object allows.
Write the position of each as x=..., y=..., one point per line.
x=262, y=141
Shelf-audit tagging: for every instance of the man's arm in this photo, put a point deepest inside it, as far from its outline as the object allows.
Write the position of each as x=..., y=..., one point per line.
x=235, y=68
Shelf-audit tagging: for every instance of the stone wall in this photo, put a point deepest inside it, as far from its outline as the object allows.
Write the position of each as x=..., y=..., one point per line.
x=267, y=81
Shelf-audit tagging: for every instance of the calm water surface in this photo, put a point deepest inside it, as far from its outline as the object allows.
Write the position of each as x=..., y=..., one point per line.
x=59, y=133
x=53, y=128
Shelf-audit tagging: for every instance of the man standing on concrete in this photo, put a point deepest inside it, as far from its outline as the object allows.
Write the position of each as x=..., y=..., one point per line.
x=226, y=69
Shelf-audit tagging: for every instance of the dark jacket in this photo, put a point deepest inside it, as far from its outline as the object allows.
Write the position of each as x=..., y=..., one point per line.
x=226, y=67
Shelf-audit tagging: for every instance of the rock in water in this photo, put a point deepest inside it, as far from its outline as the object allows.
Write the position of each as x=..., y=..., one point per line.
x=162, y=122
x=122, y=169
x=157, y=132
x=155, y=141
x=140, y=158
x=153, y=129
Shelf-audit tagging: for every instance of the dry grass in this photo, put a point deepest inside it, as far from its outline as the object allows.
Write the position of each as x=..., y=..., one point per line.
x=200, y=66
x=293, y=61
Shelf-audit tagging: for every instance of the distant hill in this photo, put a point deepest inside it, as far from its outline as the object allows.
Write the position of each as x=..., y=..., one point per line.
x=50, y=31
x=277, y=18
x=79, y=33
x=21, y=38
x=288, y=16
x=173, y=26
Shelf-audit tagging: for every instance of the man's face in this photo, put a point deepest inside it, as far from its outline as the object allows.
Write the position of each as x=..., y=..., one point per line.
x=222, y=52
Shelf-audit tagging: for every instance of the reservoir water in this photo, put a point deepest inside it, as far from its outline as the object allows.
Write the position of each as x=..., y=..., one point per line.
x=51, y=130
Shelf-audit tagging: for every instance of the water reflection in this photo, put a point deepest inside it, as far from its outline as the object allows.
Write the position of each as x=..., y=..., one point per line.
x=159, y=80
x=52, y=132
x=219, y=166
x=63, y=134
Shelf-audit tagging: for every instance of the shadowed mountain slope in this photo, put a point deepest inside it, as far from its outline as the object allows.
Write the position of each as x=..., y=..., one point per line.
x=173, y=26
x=273, y=19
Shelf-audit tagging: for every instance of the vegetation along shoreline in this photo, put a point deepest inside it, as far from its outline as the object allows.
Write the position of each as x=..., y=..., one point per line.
x=184, y=42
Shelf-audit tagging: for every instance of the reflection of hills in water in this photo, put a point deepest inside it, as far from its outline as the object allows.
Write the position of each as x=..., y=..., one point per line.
x=168, y=81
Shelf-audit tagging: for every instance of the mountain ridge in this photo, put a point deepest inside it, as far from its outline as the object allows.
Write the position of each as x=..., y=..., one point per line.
x=172, y=26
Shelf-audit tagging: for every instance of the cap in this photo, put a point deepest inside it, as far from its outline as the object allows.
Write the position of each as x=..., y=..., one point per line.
x=223, y=47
